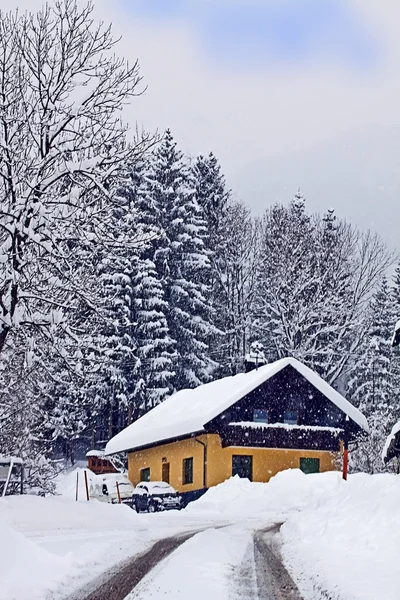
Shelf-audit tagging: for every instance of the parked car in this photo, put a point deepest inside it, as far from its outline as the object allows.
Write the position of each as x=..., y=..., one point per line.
x=153, y=496
x=104, y=488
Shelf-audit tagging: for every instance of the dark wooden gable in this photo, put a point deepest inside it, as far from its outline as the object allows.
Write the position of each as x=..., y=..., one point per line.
x=287, y=393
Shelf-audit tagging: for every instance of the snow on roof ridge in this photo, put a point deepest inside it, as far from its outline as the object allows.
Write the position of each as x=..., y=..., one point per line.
x=172, y=419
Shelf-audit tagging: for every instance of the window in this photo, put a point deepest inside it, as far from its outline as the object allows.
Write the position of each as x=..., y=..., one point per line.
x=242, y=465
x=260, y=415
x=309, y=465
x=187, y=471
x=145, y=474
x=290, y=417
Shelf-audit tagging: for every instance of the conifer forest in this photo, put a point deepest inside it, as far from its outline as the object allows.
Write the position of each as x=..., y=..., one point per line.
x=130, y=270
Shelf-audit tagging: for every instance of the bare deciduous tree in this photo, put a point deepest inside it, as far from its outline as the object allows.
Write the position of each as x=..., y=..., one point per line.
x=62, y=143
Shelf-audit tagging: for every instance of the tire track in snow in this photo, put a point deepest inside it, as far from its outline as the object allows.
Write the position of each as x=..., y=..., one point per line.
x=273, y=580
x=119, y=584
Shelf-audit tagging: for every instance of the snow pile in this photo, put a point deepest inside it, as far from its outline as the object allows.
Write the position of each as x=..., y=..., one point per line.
x=346, y=543
x=32, y=514
x=339, y=539
x=288, y=491
x=53, y=544
x=25, y=567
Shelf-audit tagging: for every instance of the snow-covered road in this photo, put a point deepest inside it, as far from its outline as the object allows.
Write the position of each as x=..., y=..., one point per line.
x=226, y=563
x=338, y=540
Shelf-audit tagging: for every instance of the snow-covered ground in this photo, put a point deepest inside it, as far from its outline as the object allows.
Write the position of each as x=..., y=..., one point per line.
x=338, y=538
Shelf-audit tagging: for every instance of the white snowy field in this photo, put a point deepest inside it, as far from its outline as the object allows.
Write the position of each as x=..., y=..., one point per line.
x=338, y=538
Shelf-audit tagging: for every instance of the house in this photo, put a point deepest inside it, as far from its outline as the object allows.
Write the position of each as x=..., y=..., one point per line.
x=392, y=446
x=279, y=416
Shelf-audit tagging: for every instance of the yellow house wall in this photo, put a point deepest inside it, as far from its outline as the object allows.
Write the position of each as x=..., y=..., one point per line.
x=267, y=462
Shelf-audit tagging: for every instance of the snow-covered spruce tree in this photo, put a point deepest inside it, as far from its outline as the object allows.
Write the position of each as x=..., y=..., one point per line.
x=114, y=385
x=316, y=282
x=154, y=349
x=396, y=294
x=182, y=262
x=61, y=146
x=214, y=199
x=373, y=384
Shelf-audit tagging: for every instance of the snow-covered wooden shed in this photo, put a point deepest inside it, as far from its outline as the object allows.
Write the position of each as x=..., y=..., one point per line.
x=279, y=416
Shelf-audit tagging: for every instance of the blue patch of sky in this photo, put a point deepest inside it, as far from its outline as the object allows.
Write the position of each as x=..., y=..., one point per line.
x=271, y=31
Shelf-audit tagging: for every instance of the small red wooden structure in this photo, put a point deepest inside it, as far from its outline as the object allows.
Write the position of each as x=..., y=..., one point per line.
x=99, y=464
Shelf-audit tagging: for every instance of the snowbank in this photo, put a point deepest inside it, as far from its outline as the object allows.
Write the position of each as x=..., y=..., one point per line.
x=54, y=545
x=33, y=514
x=347, y=542
x=288, y=491
x=339, y=539
x=26, y=568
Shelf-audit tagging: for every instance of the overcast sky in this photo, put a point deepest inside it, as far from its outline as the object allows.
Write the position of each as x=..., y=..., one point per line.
x=286, y=93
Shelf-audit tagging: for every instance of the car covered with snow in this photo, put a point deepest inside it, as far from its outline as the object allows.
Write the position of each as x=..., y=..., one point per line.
x=111, y=487
x=154, y=496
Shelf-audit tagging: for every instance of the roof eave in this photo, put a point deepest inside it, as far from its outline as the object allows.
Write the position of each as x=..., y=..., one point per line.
x=163, y=442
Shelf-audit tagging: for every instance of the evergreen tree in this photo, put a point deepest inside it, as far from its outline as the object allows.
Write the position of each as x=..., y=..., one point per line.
x=155, y=348
x=373, y=384
x=214, y=200
x=115, y=339
x=182, y=262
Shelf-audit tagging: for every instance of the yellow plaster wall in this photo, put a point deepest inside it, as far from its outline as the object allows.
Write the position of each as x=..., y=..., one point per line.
x=267, y=462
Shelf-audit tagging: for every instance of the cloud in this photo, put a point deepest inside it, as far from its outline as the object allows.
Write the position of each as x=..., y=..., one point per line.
x=270, y=32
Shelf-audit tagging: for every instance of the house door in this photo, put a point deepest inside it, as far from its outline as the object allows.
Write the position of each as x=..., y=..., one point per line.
x=242, y=466
x=309, y=465
x=165, y=472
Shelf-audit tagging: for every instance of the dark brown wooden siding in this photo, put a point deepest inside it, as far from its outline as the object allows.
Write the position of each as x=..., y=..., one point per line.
x=279, y=437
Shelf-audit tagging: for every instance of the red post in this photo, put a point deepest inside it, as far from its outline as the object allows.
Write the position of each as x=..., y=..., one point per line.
x=77, y=486
x=346, y=449
x=345, y=463
x=118, y=493
x=86, y=486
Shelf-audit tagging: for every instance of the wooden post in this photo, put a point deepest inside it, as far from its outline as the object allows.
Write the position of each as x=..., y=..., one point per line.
x=77, y=486
x=346, y=449
x=86, y=486
x=118, y=493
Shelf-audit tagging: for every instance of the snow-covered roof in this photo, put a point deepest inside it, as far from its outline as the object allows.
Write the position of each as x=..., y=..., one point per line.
x=389, y=450
x=95, y=454
x=7, y=460
x=188, y=411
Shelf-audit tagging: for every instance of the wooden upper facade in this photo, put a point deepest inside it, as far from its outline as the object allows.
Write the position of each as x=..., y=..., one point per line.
x=286, y=411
